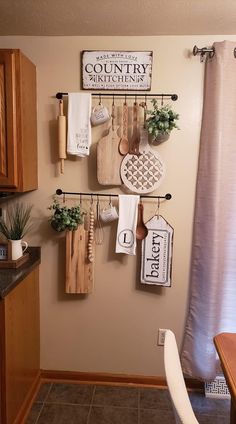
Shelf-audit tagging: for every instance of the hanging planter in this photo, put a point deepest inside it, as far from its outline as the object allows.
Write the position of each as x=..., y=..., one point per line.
x=161, y=122
x=64, y=218
x=160, y=138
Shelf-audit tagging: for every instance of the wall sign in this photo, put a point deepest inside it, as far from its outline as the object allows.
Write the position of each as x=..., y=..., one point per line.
x=116, y=70
x=157, y=253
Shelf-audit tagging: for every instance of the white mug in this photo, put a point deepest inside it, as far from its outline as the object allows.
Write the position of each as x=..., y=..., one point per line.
x=99, y=115
x=109, y=215
x=17, y=248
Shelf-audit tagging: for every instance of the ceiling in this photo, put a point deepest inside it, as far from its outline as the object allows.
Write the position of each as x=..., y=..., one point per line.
x=120, y=17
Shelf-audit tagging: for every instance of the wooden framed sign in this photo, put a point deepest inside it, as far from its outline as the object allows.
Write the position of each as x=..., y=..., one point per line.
x=157, y=253
x=116, y=70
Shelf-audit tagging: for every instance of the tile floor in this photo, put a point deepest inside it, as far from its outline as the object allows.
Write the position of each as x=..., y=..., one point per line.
x=58, y=403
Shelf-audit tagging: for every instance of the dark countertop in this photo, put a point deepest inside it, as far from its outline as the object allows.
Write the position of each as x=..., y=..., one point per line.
x=10, y=278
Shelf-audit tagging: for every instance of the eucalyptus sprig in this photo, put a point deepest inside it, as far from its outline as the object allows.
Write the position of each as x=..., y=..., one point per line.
x=162, y=119
x=65, y=218
x=17, y=221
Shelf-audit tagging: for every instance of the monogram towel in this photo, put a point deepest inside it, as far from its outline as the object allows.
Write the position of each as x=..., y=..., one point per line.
x=126, y=231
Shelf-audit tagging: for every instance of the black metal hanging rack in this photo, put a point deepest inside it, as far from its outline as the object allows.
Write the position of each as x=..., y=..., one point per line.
x=60, y=192
x=173, y=97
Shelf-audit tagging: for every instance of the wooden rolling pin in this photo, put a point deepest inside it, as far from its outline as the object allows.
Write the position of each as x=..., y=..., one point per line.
x=61, y=135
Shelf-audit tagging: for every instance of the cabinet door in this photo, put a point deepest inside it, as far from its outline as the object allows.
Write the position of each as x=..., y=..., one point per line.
x=8, y=127
x=22, y=345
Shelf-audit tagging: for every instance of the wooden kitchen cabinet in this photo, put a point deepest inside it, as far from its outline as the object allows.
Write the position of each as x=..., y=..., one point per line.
x=18, y=122
x=19, y=348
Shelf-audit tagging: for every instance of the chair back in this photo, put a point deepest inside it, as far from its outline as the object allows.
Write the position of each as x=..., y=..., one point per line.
x=175, y=381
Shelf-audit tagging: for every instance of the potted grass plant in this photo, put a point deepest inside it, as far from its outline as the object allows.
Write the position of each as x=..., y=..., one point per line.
x=161, y=121
x=15, y=227
x=64, y=217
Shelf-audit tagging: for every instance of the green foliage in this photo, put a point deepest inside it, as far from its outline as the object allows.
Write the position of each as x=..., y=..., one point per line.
x=17, y=221
x=65, y=218
x=162, y=119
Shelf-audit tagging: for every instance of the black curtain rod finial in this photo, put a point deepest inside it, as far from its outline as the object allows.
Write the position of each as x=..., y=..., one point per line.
x=203, y=51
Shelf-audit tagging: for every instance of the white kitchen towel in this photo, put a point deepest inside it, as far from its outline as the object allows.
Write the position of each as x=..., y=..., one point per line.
x=79, y=126
x=126, y=231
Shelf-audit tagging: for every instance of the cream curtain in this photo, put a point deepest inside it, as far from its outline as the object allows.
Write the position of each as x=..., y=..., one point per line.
x=212, y=304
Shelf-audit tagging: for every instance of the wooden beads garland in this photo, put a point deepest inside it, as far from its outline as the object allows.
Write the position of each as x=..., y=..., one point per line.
x=91, y=236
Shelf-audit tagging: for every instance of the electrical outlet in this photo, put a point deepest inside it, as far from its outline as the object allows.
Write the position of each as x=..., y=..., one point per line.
x=161, y=336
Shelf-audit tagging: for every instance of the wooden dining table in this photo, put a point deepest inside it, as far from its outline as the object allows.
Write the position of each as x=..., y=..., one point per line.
x=225, y=344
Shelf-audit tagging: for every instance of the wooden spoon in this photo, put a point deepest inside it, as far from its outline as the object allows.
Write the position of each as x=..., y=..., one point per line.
x=124, y=142
x=134, y=145
x=141, y=230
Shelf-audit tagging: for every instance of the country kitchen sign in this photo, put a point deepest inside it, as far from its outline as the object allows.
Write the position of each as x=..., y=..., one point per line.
x=116, y=70
x=157, y=253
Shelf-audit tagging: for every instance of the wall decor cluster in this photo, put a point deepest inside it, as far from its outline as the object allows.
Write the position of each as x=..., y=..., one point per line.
x=125, y=158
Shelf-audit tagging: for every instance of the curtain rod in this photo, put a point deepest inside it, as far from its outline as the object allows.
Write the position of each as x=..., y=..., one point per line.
x=59, y=192
x=173, y=97
x=204, y=50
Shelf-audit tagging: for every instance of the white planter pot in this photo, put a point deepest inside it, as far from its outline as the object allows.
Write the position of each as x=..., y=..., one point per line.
x=17, y=248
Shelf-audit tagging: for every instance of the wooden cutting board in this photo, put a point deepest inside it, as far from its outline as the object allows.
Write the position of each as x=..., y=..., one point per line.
x=109, y=158
x=79, y=270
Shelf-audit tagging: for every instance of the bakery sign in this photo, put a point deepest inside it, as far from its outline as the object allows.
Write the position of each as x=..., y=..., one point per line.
x=157, y=253
x=116, y=70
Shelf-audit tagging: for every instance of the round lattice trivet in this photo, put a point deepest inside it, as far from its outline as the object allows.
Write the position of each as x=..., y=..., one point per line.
x=142, y=173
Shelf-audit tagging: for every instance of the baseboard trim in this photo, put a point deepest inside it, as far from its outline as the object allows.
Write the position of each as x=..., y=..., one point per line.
x=113, y=379
x=28, y=402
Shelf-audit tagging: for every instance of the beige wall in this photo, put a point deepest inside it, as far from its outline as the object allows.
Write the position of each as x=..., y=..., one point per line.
x=115, y=328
